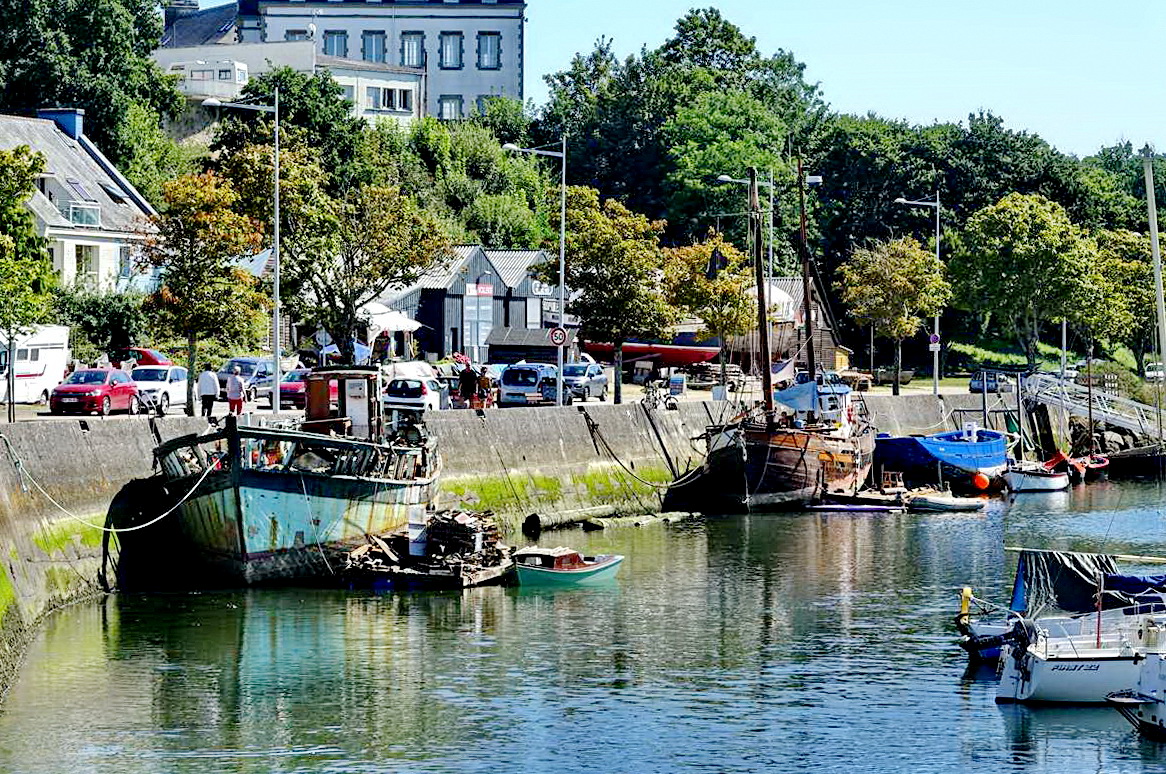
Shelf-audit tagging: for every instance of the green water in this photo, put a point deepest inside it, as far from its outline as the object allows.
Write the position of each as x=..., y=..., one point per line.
x=803, y=642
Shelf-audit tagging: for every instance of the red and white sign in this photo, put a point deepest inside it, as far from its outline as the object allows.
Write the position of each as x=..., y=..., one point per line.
x=558, y=336
x=479, y=289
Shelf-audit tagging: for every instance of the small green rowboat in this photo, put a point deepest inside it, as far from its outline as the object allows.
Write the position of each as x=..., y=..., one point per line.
x=563, y=567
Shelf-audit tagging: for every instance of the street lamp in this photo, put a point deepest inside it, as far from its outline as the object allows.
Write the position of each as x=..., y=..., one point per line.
x=935, y=335
x=559, y=154
x=275, y=339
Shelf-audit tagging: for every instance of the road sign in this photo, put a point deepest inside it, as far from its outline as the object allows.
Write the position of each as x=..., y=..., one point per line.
x=934, y=347
x=934, y=339
x=558, y=336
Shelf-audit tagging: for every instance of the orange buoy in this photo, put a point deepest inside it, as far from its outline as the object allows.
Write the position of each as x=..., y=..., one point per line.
x=980, y=481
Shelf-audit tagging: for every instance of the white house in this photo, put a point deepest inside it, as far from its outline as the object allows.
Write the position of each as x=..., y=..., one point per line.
x=376, y=90
x=92, y=216
x=469, y=50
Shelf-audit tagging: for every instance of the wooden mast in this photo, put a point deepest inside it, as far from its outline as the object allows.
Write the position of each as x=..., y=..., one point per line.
x=807, y=286
x=762, y=307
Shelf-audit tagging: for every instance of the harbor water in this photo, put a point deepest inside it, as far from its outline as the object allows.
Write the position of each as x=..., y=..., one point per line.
x=794, y=642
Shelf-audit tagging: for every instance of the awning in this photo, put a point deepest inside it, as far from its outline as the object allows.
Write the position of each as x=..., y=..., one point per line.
x=383, y=318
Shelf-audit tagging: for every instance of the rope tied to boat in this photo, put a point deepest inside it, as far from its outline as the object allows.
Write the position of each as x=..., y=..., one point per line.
x=23, y=471
x=598, y=439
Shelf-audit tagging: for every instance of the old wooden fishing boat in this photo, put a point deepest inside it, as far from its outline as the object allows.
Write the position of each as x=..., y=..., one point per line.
x=821, y=445
x=262, y=505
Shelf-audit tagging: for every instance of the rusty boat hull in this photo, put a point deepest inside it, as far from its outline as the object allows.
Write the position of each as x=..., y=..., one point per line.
x=259, y=506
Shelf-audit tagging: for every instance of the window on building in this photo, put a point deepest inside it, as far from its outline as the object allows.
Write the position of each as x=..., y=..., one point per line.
x=489, y=50
x=412, y=49
x=451, y=51
x=336, y=43
x=86, y=264
x=295, y=35
x=372, y=96
x=225, y=75
x=449, y=107
x=115, y=193
x=350, y=93
x=202, y=75
x=373, y=47
x=405, y=100
x=125, y=262
x=79, y=189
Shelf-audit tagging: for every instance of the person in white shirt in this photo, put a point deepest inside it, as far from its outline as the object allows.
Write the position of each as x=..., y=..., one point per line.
x=208, y=389
x=236, y=389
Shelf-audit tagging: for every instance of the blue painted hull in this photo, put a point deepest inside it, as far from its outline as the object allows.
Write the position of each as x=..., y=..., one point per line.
x=923, y=460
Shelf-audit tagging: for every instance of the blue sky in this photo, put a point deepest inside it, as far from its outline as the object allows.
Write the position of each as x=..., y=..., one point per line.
x=1080, y=74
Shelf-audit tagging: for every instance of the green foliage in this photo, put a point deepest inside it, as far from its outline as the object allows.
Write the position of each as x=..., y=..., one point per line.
x=720, y=299
x=506, y=119
x=89, y=54
x=152, y=157
x=101, y=321
x=614, y=264
x=351, y=252
x=196, y=245
x=504, y=221
x=1024, y=261
x=1126, y=279
x=26, y=269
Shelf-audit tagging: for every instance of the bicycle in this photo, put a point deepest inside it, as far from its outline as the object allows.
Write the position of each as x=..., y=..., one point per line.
x=654, y=397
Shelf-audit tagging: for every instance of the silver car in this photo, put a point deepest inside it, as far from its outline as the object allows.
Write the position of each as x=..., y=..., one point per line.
x=586, y=380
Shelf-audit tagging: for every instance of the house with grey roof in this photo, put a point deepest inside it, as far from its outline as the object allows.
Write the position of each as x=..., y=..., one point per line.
x=91, y=215
x=477, y=294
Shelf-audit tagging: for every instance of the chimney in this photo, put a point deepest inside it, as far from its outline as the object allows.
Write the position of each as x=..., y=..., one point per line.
x=70, y=120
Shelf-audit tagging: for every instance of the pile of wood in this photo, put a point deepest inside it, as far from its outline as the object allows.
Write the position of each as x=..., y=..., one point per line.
x=462, y=549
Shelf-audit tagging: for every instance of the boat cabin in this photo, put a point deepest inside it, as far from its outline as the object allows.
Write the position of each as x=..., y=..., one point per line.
x=559, y=558
x=358, y=411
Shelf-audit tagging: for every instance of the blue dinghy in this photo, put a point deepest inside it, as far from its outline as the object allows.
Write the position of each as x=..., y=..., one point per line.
x=956, y=456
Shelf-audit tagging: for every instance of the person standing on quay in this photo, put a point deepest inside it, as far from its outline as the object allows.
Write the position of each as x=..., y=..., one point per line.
x=208, y=389
x=236, y=389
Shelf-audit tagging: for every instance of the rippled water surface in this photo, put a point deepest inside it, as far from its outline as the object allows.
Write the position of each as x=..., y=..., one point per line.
x=757, y=643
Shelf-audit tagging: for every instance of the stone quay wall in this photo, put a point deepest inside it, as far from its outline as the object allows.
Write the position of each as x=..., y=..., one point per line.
x=558, y=463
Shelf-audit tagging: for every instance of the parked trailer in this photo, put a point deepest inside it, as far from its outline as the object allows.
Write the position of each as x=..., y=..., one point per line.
x=42, y=358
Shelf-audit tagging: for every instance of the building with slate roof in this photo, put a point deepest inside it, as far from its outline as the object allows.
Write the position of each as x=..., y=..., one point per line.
x=91, y=215
x=474, y=295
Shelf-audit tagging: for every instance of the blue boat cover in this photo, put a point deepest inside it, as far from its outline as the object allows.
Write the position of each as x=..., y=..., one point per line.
x=1135, y=584
x=804, y=397
x=1062, y=580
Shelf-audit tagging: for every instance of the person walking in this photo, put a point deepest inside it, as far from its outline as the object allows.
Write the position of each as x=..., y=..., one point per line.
x=208, y=389
x=467, y=384
x=236, y=389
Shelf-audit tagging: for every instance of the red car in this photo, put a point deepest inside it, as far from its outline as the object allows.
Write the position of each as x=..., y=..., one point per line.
x=95, y=389
x=142, y=356
x=291, y=389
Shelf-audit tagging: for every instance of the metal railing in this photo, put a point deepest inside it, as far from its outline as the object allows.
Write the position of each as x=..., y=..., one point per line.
x=1107, y=407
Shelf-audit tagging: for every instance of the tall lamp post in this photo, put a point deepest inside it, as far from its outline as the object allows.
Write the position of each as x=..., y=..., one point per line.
x=562, y=155
x=935, y=335
x=275, y=338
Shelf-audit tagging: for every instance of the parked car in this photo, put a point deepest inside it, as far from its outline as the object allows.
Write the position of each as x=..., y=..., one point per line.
x=141, y=356
x=160, y=386
x=997, y=382
x=585, y=380
x=257, y=373
x=1155, y=372
x=521, y=384
x=292, y=390
x=423, y=394
x=101, y=390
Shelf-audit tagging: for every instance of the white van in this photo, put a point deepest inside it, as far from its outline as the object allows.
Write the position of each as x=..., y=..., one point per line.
x=41, y=360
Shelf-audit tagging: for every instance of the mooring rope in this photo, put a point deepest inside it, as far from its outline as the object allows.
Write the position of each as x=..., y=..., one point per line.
x=21, y=470
x=596, y=434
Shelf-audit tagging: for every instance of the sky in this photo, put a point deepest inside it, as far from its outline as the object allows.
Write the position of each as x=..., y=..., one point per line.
x=1078, y=73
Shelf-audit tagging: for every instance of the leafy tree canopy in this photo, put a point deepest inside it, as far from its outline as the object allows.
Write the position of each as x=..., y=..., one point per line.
x=26, y=269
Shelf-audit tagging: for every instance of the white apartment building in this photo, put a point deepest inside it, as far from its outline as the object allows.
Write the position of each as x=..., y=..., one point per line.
x=468, y=50
x=376, y=90
x=93, y=218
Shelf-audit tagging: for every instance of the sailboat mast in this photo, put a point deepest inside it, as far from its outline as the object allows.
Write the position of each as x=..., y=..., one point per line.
x=1155, y=251
x=762, y=307
x=807, y=293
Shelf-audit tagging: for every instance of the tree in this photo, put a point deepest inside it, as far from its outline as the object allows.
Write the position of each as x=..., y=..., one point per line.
x=1128, y=314
x=26, y=268
x=892, y=286
x=102, y=322
x=354, y=251
x=1024, y=261
x=197, y=244
x=89, y=54
x=614, y=271
x=709, y=280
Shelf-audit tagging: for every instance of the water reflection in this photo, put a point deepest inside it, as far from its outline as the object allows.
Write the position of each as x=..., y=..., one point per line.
x=785, y=642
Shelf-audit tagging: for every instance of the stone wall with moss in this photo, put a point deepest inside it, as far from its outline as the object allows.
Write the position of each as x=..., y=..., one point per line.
x=57, y=478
